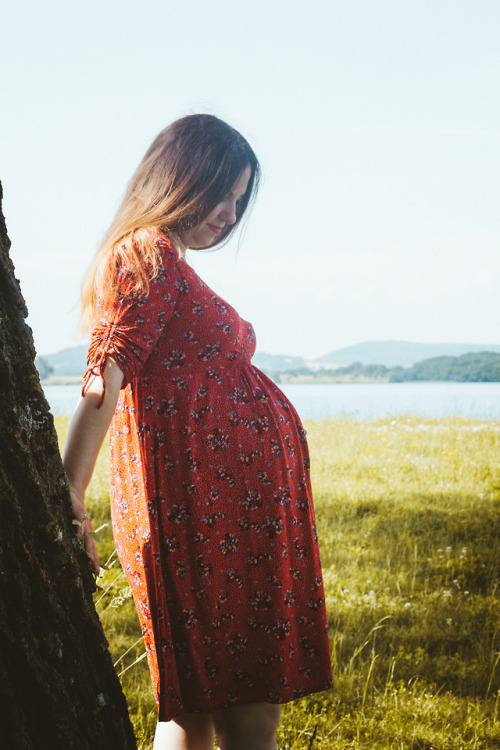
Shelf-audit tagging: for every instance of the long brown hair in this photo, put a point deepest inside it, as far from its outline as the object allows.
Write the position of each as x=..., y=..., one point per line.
x=188, y=169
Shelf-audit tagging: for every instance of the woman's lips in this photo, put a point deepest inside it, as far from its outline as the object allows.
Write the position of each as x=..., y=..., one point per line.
x=215, y=230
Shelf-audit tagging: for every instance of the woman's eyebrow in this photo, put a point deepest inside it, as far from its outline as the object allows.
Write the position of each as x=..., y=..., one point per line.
x=233, y=194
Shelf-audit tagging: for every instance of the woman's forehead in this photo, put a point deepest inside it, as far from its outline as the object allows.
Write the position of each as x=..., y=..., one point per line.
x=240, y=185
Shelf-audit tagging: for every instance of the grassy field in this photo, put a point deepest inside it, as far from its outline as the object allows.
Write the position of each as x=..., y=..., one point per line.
x=409, y=525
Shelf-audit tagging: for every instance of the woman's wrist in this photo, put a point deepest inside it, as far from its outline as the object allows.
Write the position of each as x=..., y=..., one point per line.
x=78, y=502
x=79, y=494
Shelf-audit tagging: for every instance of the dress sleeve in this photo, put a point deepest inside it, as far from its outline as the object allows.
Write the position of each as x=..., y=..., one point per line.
x=128, y=327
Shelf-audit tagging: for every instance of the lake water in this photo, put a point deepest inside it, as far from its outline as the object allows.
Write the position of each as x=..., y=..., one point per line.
x=360, y=400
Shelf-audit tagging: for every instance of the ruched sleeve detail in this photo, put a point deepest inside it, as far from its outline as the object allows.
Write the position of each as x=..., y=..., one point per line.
x=128, y=327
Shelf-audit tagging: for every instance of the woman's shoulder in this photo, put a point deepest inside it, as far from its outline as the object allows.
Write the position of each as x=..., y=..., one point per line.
x=163, y=242
x=151, y=254
x=140, y=268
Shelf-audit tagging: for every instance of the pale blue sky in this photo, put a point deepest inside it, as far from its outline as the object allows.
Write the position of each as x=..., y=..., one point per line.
x=377, y=123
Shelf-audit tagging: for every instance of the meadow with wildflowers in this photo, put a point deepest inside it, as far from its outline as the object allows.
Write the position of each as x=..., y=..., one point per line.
x=408, y=519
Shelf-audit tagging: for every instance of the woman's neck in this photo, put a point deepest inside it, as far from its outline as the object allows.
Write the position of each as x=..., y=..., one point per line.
x=178, y=244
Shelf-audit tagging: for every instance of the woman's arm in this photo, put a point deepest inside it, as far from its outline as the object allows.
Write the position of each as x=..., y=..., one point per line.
x=85, y=436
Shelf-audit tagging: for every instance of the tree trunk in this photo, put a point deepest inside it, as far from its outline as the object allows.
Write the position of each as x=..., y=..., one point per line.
x=58, y=688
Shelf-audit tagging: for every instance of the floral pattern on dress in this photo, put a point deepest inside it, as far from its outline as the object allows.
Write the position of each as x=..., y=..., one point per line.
x=211, y=500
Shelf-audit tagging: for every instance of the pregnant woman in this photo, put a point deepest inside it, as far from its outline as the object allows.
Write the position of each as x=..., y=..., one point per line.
x=210, y=493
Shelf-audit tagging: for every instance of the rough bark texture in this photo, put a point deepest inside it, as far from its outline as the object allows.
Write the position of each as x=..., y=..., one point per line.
x=58, y=688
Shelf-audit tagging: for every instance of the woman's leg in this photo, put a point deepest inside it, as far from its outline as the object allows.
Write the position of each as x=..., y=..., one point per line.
x=250, y=727
x=185, y=732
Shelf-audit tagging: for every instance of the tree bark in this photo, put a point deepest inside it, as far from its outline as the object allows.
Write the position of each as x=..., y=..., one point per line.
x=58, y=688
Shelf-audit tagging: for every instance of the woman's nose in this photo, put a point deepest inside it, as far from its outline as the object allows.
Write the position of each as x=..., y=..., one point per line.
x=228, y=213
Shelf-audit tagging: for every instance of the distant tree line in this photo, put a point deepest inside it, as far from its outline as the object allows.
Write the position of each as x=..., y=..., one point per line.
x=481, y=367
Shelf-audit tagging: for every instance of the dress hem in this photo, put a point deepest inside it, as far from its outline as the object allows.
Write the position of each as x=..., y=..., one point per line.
x=280, y=701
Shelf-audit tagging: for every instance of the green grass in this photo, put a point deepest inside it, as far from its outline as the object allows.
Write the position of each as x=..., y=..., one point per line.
x=409, y=525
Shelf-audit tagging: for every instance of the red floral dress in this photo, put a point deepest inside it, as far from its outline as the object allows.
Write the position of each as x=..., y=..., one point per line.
x=211, y=500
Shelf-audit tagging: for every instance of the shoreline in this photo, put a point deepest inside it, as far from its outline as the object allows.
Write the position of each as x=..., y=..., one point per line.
x=288, y=380
x=311, y=380
x=62, y=380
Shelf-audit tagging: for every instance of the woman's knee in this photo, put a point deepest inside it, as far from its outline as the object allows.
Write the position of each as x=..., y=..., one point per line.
x=253, y=725
x=185, y=732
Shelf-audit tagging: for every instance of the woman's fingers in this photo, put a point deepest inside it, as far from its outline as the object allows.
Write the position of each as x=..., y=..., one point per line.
x=84, y=528
x=91, y=551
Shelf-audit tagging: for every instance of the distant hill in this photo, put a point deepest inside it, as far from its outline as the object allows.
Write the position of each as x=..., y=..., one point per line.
x=73, y=361
x=399, y=353
x=276, y=362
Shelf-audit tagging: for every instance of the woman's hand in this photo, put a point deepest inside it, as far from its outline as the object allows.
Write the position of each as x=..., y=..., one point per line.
x=84, y=531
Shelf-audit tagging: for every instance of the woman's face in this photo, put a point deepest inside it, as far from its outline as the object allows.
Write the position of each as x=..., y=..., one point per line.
x=207, y=231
